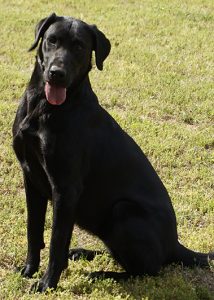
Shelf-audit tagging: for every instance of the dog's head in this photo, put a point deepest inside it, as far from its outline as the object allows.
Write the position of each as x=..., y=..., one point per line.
x=65, y=51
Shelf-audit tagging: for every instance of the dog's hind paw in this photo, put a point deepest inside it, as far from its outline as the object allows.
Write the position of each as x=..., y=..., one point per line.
x=78, y=253
x=117, y=276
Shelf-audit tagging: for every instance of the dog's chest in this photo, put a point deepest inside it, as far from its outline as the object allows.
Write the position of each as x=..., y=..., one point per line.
x=32, y=142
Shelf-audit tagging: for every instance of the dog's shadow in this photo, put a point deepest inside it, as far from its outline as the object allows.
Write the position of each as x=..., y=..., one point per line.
x=172, y=282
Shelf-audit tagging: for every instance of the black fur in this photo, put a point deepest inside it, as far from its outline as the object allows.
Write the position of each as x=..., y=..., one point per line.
x=96, y=176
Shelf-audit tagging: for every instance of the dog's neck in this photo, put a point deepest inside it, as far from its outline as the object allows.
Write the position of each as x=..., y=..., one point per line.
x=82, y=91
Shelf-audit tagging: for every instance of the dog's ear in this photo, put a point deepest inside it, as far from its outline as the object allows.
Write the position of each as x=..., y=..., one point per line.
x=101, y=46
x=41, y=27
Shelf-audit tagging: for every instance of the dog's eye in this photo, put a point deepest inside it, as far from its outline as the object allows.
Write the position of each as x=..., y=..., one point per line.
x=52, y=40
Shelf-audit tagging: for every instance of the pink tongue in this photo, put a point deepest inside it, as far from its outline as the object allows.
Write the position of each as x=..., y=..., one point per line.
x=55, y=95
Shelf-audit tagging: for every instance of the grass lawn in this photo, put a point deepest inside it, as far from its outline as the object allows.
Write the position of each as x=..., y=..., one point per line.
x=158, y=83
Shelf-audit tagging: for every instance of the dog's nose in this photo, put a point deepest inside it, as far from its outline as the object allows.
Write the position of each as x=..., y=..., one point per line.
x=56, y=73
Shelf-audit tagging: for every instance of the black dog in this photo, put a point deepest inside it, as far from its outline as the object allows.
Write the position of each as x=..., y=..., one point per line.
x=73, y=152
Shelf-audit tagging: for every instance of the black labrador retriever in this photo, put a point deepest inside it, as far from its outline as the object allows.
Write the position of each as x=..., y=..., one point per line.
x=73, y=152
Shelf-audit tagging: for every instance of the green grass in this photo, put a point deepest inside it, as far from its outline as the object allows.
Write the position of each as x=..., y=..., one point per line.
x=158, y=84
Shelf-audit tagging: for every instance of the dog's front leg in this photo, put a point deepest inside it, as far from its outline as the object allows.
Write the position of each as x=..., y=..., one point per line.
x=63, y=221
x=36, y=209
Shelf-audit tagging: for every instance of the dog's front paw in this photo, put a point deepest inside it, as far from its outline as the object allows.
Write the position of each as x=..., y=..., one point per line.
x=28, y=270
x=41, y=286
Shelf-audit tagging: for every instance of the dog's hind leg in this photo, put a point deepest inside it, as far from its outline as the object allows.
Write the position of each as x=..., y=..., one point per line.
x=133, y=242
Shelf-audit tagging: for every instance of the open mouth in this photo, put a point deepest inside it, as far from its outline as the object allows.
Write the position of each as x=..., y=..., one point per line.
x=55, y=95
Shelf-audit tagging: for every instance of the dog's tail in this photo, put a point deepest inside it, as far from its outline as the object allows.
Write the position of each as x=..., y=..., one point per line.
x=189, y=258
